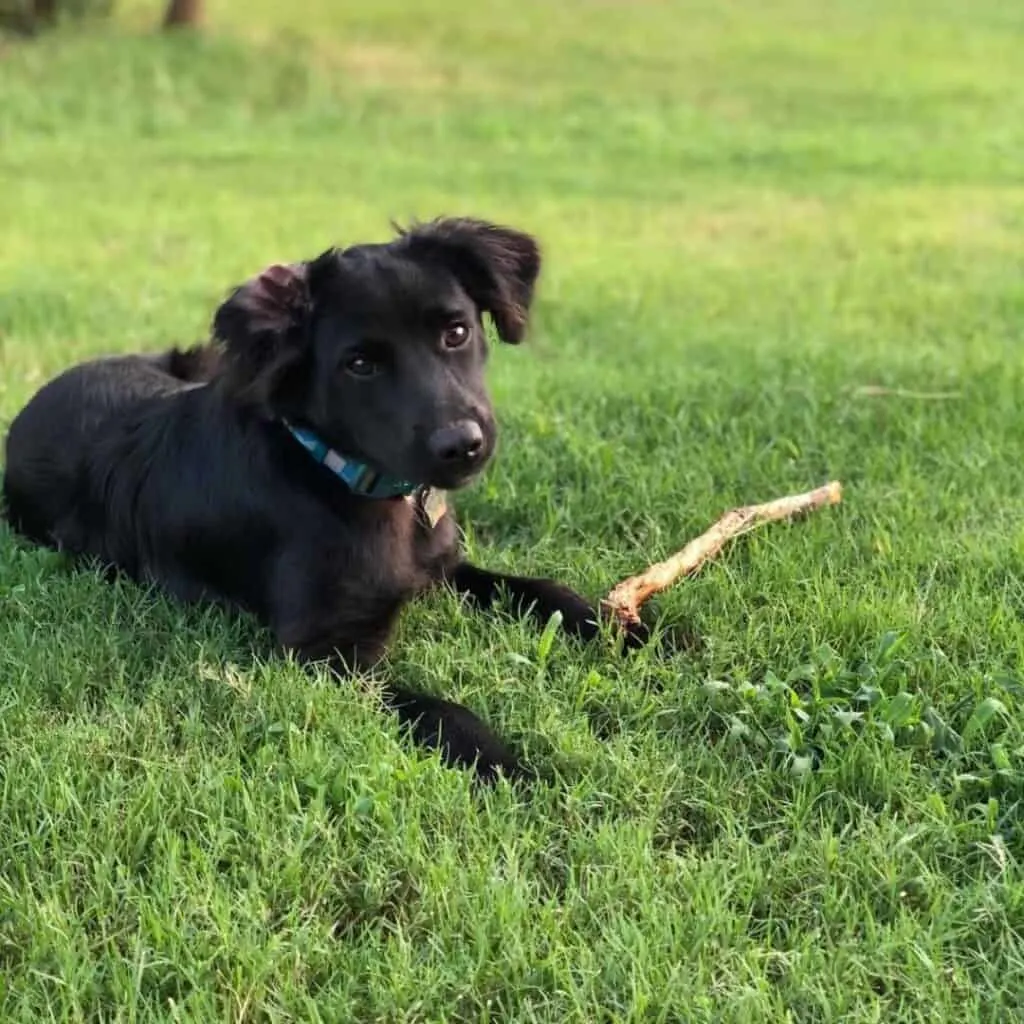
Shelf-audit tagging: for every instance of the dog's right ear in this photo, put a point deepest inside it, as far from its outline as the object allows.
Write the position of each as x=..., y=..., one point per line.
x=263, y=328
x=497, y=265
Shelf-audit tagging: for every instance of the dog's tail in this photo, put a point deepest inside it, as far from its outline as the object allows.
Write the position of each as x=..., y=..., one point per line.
x=196, y=365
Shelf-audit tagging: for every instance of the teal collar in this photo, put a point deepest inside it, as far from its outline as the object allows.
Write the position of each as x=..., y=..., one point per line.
x=358, y=477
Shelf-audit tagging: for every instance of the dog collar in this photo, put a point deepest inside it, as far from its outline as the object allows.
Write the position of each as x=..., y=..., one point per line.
x=358, y=477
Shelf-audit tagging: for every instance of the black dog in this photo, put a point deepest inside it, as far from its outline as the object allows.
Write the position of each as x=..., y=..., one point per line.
x=215, y=472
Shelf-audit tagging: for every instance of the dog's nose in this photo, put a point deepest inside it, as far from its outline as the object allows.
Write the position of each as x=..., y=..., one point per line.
x=461, y=441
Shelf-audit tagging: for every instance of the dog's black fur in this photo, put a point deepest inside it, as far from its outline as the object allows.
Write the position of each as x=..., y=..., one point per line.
x=176, y=468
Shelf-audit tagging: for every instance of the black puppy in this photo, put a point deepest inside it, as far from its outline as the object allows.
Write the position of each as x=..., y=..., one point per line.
x=296, y=467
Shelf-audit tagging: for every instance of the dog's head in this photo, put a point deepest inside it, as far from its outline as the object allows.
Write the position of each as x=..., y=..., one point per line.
x=381, y=348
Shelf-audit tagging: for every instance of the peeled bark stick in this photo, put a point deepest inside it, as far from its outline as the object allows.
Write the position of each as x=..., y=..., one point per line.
x=625, y=599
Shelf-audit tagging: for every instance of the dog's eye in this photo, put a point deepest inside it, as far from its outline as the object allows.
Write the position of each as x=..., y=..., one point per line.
x=360, y=365
x=455, y=336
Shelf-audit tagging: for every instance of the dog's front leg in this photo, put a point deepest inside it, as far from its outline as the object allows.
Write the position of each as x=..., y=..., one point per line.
x=464, y=739
x=538, y=597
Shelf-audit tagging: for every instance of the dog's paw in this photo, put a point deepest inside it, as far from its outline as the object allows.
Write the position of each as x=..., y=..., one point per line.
x=579, y=617
x=634, y=634
x=463, y=739
x=630, y=635
x=588, y=622
x=665, y=642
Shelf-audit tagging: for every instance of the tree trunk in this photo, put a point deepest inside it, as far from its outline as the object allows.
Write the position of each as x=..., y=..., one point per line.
x=187, y=13
x=44, y=12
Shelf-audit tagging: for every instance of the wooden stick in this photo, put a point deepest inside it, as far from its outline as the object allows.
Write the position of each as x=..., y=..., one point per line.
x=625, y=599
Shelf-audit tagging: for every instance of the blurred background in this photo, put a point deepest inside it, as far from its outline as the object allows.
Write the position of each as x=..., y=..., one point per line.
x=694, y=155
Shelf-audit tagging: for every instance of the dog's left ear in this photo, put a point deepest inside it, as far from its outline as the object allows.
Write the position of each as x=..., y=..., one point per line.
x=498, y=266
x=262, y=325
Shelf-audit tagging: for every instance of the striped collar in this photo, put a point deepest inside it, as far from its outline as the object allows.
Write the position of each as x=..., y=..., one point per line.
x=358, y=477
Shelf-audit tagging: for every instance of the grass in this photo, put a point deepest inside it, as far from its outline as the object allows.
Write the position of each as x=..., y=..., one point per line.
x=749, y=212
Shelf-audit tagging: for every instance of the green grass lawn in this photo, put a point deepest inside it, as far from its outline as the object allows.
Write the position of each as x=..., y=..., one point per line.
x=749, y=211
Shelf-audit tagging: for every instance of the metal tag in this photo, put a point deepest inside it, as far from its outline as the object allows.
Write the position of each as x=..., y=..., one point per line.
x=430, y=505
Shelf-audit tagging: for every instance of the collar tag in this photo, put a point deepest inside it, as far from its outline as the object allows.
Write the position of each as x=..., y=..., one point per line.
x=430, y=505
